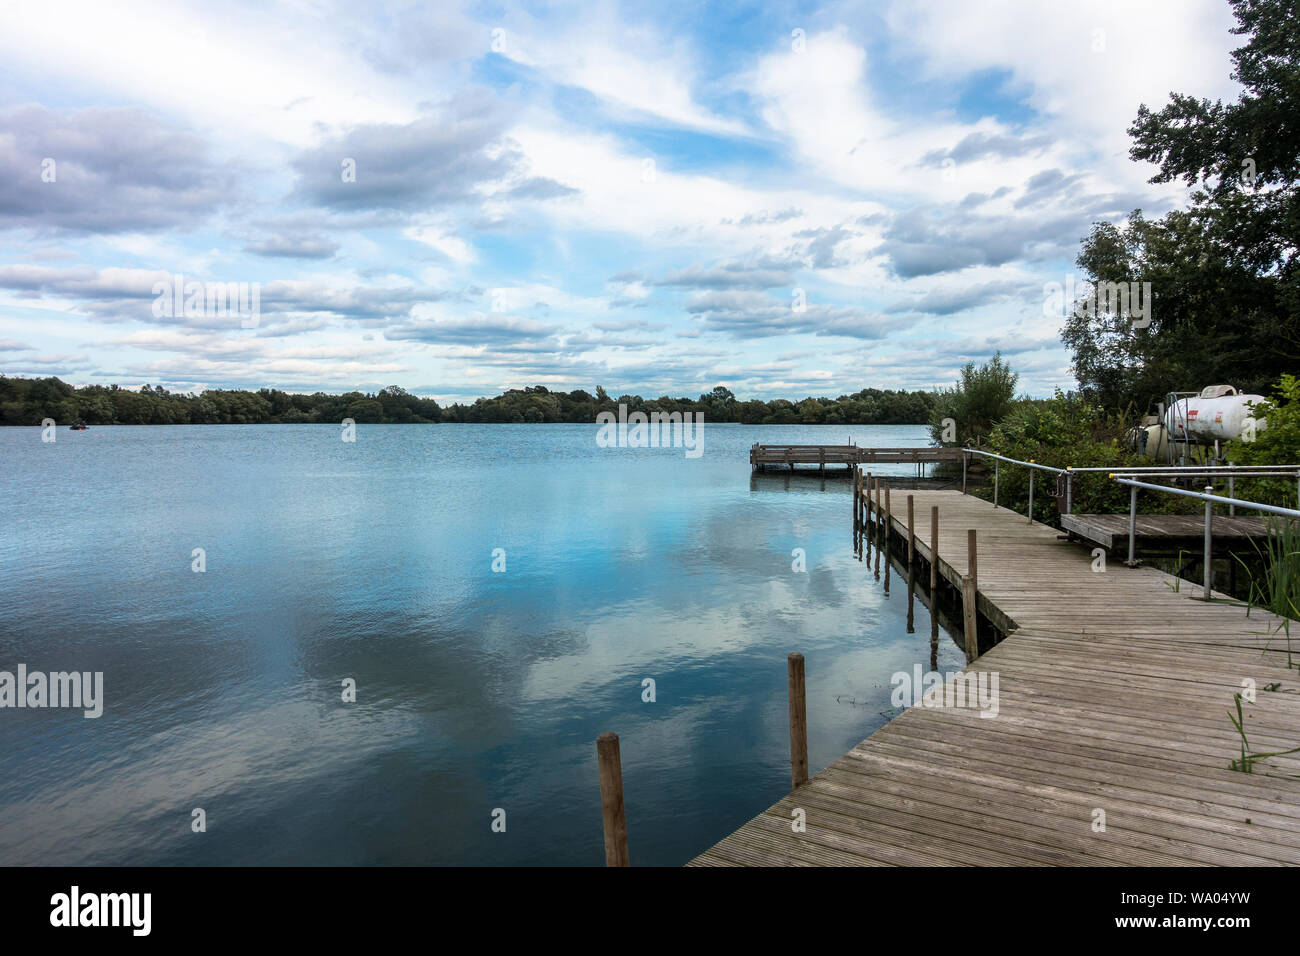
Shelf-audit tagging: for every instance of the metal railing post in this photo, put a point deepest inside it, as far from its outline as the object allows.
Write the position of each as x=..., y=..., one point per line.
x=1232, y=493
x=996, y=465
x=1031, y=495
x=1069, y=492
x=1209, y=561
x=1132, y=526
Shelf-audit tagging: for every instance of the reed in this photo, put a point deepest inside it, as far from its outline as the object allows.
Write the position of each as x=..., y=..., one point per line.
x=1246, y=763
x=1276, y=587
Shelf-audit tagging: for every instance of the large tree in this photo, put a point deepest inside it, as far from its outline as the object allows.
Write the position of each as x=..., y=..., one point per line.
x=1223, y=273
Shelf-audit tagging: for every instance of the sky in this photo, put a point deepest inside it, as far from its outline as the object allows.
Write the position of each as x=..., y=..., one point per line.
x=786, y=199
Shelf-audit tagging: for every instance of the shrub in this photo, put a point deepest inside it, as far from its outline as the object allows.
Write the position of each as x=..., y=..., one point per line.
x=980, y=400
x=1066, y=431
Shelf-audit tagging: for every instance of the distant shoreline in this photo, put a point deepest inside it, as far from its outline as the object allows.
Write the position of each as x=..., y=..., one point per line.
x=31, y=401
x=65, y=425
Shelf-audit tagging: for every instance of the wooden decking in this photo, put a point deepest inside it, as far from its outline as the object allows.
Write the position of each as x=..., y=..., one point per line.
x=1165, y=531
x=1114, y=693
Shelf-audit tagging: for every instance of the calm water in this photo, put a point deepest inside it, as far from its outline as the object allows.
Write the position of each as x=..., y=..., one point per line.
x=475, y=690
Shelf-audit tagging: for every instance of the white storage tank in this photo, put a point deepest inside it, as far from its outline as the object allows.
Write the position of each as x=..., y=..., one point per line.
x=1219, y=413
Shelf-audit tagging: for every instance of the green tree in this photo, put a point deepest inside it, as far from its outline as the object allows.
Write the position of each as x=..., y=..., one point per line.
x=978, y=402
x=1224, y=272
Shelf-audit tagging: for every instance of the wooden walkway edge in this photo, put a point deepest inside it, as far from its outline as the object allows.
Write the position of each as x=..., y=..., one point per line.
x=1111, y=742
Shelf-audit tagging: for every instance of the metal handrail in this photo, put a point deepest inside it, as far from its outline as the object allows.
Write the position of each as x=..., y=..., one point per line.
x=1210, y=500
x=1015, y=461
x=1208, y=497
x=1231, y=472
x=999, y=461
x=1188, y=470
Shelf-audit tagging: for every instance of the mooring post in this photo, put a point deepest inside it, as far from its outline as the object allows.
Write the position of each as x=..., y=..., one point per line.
x=889, y=518
x=853, y=505
x=879, y=524
x=970, y=559
x=970, y=618
x=934, y=573
x=611, y=799
x=798, y=722
x=911, y=573
x=862, y=511
x=911, y=532
x=1209, y=557
x=866, y=510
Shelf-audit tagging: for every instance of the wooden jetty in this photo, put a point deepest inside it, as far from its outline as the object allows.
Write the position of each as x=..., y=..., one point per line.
x=1164, y=532
x=762, y=457
x=1112, y=743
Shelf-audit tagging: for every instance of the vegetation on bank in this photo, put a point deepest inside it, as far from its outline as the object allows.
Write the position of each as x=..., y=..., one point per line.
x=1279, y=443
x=1063, y=431
x=26, y=401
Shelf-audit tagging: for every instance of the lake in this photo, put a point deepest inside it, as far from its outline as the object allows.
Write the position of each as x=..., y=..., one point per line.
x=371, y=561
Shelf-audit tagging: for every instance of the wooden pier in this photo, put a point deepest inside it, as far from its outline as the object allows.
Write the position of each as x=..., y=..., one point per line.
x=1164, y=532
x=762, y=457
x=1112, y=742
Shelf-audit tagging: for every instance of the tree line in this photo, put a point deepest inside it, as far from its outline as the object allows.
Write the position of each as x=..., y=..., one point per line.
x=25, y=401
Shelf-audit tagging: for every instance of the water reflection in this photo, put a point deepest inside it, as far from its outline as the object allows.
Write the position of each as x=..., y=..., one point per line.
x=475, y=689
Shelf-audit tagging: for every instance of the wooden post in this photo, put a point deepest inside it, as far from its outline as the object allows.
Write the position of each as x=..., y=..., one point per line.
x=611, y=799
x=911, y=571
x=971, y=618
x=857, y=504
x=970, y=559
x=934, y=576
x=798, y=722
x=853, y=505
x=911, y=532
x=879, y=525
x=866, y=516
x=934, y=549
x=889, y=520
x=862, y=512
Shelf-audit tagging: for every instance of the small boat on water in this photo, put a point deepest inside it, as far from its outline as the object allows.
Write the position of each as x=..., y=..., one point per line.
x=78, y=427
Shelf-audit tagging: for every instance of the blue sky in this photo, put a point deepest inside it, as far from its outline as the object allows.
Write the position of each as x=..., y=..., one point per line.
x=628, y=195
